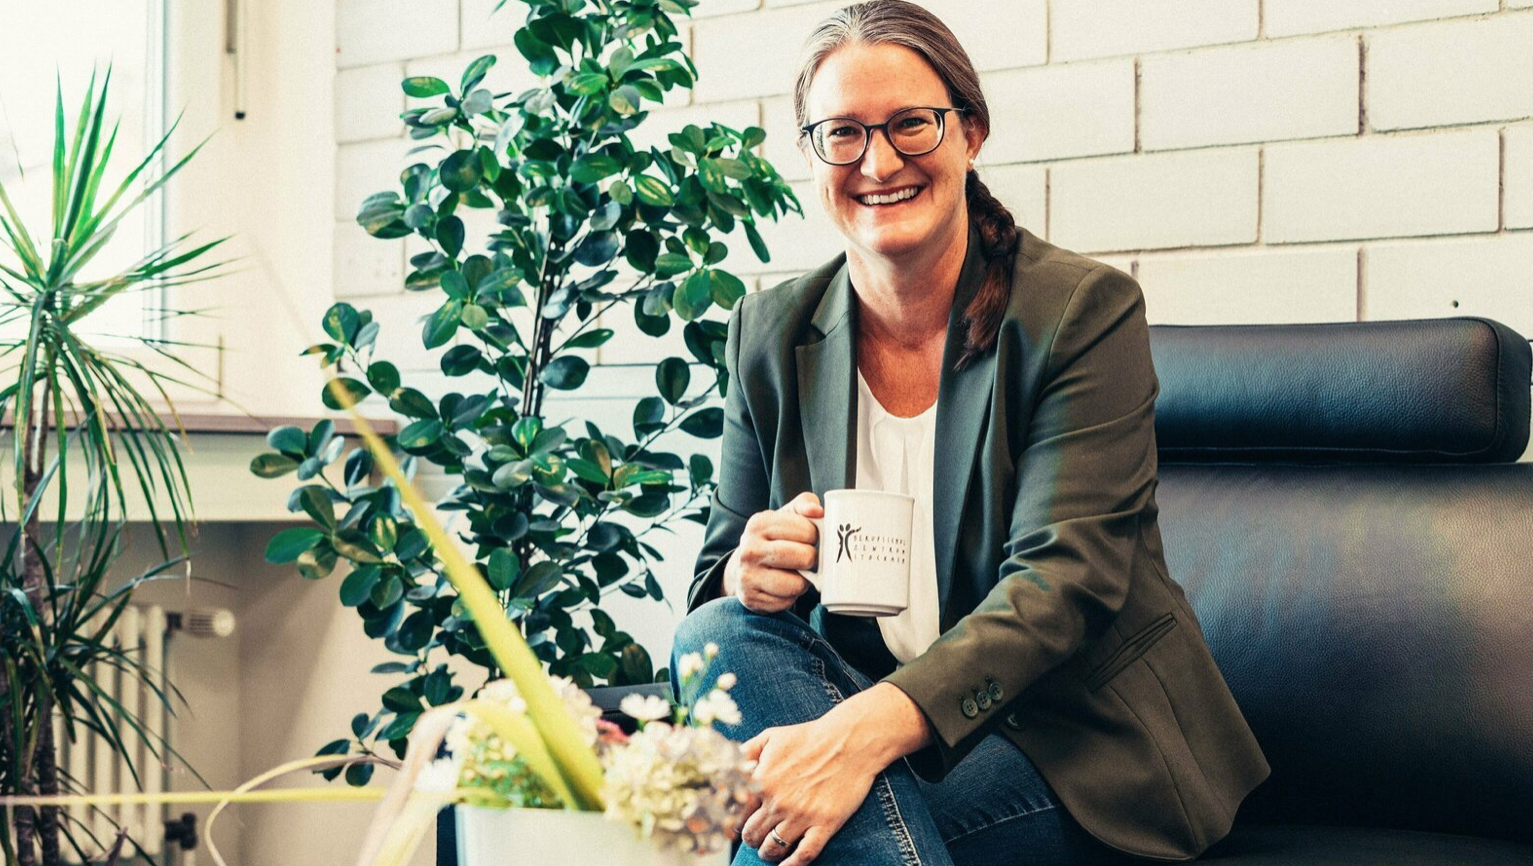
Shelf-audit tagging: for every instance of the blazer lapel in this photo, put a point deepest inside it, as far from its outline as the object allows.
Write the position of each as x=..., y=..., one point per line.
x=827, y=387
x=963, y=412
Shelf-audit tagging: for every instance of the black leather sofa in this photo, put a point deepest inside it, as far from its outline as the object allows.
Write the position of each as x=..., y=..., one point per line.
x=1343, y=505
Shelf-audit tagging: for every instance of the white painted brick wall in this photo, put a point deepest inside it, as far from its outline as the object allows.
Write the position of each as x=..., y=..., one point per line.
x=1519, y=177
x=1262, y=287
x=366, y=168
x=1298, y=88
x=372, y=31
x=1393, y=186
x=1024, y=191
x=1196, y=198
x=1020, y=38
x=745, y=56
x=712, y=8
x=365, y=265
x=801, y=244
x=484, y=27
x=1078, y=109
x=1102, y=28
x=1451, y=277
x=1455, y=72
x=781, y=146
x=1287, y=17
x=368, y=101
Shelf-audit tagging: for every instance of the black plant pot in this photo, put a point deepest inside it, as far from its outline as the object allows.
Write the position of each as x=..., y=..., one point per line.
x=605, y=697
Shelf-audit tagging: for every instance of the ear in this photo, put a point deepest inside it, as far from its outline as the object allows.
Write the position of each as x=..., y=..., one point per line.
x=974, y=138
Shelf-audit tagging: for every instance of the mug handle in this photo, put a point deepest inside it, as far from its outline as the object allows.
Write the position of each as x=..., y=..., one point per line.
x=813, y=575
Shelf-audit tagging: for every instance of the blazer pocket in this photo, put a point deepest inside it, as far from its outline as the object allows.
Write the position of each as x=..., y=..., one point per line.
x=1135, y=646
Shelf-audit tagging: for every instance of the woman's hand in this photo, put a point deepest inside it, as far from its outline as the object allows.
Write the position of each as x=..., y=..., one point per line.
x=762, y=571
x=814, y=775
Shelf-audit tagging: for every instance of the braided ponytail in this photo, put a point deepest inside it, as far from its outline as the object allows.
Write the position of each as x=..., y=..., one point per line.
x=998, y=233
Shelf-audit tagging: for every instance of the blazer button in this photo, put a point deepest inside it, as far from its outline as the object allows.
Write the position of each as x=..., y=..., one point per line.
x=1012, y=722
x=970, y=709
x=982, y=698
x=996, y=692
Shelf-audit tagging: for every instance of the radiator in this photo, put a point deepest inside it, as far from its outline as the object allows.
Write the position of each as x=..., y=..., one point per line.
x=94, y=766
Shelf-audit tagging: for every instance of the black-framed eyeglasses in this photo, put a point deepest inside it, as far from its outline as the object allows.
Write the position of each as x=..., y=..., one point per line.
x=911, y=131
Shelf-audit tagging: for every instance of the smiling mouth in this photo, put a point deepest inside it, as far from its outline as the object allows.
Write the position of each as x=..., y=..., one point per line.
x=894, y=198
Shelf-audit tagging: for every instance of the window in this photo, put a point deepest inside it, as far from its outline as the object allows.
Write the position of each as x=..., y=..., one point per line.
x=47, y=42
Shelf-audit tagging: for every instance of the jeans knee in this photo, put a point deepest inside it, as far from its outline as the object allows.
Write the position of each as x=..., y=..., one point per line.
x=717, y=621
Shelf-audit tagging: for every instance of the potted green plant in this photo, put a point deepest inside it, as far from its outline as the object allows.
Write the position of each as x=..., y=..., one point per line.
x=87, y=430
x=555, y=515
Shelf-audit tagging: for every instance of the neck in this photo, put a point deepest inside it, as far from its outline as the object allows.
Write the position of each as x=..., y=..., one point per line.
x=907, y=300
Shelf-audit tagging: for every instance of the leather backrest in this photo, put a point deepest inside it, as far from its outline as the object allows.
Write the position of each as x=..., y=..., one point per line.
x=1430, y=390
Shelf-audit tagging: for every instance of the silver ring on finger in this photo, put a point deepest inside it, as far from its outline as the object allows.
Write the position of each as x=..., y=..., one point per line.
x=778, y=839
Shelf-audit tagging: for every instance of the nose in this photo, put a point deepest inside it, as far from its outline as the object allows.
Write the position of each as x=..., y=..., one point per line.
x=881, y=160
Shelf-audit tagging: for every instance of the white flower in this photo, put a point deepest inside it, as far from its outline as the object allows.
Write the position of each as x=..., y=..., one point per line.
x=438, y=777
x=710, y=650
x=689, y=666
x=726, y=681
x=718, y=706
x=646, y=708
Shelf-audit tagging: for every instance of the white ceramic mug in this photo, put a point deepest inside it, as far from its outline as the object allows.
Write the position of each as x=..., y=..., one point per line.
x=864, y=552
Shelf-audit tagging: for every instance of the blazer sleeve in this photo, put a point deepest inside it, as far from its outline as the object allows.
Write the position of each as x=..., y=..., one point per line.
x=1085, y=476
x=742, y=488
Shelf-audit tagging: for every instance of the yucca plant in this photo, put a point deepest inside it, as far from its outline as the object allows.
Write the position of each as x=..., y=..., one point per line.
x=79, y=400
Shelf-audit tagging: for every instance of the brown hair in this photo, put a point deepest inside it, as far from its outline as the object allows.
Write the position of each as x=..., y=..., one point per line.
x=899, y=22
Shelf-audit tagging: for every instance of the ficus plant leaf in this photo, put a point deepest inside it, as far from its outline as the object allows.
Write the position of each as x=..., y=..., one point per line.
x=587, y=227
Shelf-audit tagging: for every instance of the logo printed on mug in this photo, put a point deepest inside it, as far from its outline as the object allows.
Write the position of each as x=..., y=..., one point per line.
x=844, y=534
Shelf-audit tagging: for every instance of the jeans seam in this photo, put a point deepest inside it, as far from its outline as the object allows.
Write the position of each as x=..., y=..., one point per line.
x=993, y=824
x=886, y=799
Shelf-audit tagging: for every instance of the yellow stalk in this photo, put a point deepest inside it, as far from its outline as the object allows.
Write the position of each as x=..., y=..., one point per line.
x=551, y=719
x=514, y=728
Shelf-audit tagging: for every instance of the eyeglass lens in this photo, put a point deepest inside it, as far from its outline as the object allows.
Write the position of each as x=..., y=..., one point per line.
x=913, y=132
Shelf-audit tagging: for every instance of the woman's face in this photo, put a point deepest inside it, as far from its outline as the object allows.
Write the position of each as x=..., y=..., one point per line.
x=869, y=83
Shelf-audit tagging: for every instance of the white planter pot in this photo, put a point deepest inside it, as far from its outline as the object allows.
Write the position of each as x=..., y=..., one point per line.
x=551, y=837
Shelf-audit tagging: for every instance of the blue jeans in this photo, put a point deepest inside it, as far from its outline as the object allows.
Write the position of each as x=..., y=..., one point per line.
x=992, y=808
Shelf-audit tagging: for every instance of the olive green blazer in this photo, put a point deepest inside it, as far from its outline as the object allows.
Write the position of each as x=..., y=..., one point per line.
x=1061, y=628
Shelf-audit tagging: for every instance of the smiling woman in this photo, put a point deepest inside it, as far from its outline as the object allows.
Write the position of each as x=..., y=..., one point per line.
x=1034, y=700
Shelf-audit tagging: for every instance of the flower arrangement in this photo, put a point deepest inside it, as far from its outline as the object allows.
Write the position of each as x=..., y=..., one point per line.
x=676, y=781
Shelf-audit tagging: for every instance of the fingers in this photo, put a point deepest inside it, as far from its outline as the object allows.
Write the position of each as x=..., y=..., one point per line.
x=783, y=525
x=761, y=822
x=808, y=848
x=752, y=747
x=783, y=590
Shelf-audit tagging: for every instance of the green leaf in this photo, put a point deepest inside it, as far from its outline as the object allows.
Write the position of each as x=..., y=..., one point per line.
x=590, y=339
x=594, y=167
x=461, y=170
x=287, y=545
x=355, y=546
x=503, y=569
x=358, y=585
x=653, y=191
x=727, y=289
x=383, y=532
x=316, y=503
x=317, y=562
x=624, y=100
x=358, y=775
x=670, y=264
x=450, y=234
x=733, y=168
x=475, y=317
x=423, y=86
x=442, y=324
x=587, y=83
x=758, y=246
x=341, y=322
x=384, y=377
x=420, y=434
x=353, y=388
x=272, y=465
x=692, y=298
x=401, y=700
x=537, y=579
x=566, y=373
x=649, y=415
x=289, y=440
x=410, y=402
x=672, y=376
x=705, y=423
x=587, y=470
x=475, y=72
x=461, y=360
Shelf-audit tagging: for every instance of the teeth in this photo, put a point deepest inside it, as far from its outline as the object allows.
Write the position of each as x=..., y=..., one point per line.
x=889, y=199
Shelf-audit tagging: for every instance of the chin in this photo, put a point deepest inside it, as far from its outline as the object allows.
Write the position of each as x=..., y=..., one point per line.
x=894, y=241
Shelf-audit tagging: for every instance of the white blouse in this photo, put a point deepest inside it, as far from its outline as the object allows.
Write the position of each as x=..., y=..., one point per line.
x=896, y=454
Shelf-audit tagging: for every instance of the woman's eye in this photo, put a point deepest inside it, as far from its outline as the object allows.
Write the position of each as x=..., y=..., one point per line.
x=840, y=131
x=912, y=123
